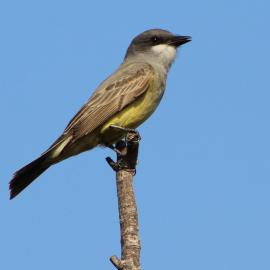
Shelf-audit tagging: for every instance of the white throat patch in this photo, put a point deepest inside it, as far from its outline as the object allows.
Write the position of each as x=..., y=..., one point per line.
x=165, y=52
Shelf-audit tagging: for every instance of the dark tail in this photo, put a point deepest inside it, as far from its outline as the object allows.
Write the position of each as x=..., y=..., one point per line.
x=26, y=175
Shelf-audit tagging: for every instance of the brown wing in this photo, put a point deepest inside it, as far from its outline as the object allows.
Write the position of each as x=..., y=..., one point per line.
x=115, y=93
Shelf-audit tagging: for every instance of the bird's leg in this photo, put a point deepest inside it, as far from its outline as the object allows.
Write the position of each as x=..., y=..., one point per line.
x=127, y=150
x=127, y=130
x=121, y=150
x=113, y=147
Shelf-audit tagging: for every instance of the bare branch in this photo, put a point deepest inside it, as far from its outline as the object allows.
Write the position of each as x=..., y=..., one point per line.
x=125, y=169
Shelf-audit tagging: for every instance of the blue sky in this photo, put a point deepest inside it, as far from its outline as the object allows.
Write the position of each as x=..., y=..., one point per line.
x=203, y=176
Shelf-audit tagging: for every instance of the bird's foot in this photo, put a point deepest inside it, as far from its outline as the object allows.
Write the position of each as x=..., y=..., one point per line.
x=127, y=150
x=114, y=148
x=133, y=131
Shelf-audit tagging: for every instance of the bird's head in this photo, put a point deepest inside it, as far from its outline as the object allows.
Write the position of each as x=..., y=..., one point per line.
x=156, y=44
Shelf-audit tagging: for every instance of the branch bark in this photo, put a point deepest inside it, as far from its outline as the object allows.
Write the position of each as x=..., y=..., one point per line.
x=125, y=169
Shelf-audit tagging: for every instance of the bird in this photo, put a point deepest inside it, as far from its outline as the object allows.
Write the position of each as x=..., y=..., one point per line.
x=125, y=99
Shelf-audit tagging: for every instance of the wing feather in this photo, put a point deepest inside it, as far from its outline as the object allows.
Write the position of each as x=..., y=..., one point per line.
x=114, y=94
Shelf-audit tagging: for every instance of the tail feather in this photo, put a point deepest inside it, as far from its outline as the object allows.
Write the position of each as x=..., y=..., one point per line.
x=26, y=175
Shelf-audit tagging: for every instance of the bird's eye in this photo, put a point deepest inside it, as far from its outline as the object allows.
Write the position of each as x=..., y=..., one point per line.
x=155, y=39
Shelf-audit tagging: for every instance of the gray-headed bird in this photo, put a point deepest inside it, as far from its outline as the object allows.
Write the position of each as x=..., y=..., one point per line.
x=125, y=99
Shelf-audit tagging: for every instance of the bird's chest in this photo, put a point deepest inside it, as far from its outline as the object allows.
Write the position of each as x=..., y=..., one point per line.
x=138, y=111
x=141, y=109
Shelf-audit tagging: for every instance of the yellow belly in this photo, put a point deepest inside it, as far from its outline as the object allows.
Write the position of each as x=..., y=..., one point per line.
x=132, y=116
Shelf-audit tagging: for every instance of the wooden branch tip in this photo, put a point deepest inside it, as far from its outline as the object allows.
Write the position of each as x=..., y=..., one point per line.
x=133, y=136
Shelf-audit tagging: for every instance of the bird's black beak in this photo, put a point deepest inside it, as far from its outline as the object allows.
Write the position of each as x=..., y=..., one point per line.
x=177, y=41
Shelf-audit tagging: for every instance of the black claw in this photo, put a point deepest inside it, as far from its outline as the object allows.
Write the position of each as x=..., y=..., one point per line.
x=113, y=165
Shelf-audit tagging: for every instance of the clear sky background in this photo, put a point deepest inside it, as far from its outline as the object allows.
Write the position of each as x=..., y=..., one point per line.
x=202, y=184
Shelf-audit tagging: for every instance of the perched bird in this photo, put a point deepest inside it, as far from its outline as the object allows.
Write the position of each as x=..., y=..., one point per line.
x=125, y=99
